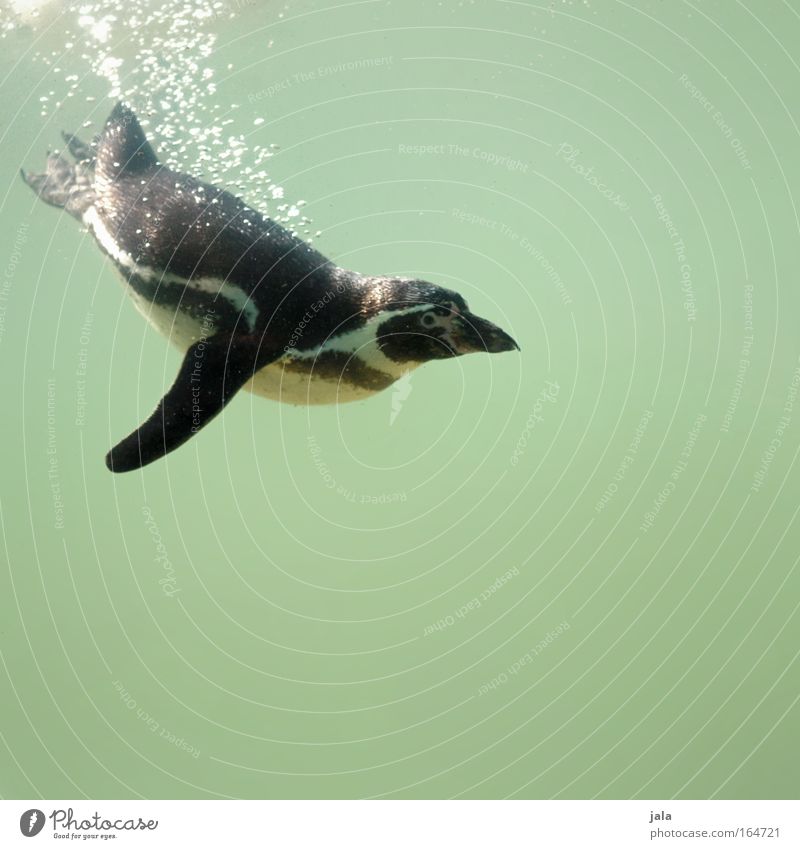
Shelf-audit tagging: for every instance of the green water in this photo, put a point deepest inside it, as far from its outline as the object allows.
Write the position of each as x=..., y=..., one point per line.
x=570, y=572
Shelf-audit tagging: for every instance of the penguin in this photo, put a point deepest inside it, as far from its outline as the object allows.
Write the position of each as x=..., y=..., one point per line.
x=250, y=304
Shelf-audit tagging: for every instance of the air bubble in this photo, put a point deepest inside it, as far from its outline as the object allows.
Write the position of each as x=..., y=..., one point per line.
x=160, y=59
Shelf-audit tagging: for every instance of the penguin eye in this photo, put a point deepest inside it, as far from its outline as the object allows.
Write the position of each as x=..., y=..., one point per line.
x=428, y=320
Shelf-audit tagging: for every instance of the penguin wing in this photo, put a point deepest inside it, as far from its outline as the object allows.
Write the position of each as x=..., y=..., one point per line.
x=212, y=372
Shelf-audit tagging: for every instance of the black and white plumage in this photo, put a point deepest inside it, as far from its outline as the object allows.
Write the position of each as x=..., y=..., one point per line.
x=251, y=304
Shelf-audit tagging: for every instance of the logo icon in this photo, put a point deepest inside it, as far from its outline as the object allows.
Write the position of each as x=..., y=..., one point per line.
x=31, y=822
x=402, y=389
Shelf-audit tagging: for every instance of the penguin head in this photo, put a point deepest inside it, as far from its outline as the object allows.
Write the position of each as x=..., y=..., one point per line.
x=422, y=321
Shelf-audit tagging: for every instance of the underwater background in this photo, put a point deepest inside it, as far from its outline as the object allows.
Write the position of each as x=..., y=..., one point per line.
x=570, y=572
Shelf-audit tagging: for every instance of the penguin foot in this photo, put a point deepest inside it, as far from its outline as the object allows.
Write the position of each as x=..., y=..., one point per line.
x=54, y=184
x=80, y=150
x=63, y=184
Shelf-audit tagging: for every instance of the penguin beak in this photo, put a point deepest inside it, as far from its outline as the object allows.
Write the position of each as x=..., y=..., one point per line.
x=473, y=334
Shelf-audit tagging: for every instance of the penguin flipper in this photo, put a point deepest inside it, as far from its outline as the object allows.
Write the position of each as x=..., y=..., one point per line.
x=212, y=372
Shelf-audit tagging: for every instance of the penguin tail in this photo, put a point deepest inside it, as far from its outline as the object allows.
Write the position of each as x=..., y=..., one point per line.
x=122, y=149
x=65, y=184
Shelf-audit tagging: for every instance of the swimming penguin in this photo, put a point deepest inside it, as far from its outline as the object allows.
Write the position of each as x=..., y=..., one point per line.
x=252, y=305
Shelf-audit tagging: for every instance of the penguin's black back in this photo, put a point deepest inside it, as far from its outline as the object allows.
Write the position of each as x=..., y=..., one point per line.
x=170, y=221
x=174, y=224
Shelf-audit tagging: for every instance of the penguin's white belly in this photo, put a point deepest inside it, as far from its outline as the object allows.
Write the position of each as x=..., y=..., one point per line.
x=303, y=377
x=179, y=327
x=278, y=383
